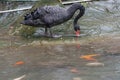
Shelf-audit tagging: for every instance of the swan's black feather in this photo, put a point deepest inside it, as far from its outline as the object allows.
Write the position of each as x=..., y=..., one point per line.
x=49, y=16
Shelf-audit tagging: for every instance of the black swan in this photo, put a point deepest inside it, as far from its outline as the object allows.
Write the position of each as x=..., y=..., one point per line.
x=49, y=16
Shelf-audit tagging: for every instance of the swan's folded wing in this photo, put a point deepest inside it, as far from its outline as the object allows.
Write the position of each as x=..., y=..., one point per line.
x=53, y=14
x=35, y=23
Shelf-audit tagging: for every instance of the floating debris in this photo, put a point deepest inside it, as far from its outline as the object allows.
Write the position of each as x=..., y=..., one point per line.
x=74, y=70
x=77, y=78
x=96, y=64
x=20, y=78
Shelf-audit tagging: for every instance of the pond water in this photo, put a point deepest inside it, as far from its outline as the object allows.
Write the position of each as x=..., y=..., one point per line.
x=6, y=19
x=92, y=57
x=47, y=61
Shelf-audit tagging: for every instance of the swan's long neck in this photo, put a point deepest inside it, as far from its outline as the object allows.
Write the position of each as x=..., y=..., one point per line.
x=73, y=9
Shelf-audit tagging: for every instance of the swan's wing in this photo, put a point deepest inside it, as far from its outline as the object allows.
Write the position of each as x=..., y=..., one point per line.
x=47, y=15
x=53, y=14
x=54, y=9
x=50, y=10
x=34, y=23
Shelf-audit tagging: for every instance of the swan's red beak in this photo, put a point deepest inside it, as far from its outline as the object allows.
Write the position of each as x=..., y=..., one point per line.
x=77, y=33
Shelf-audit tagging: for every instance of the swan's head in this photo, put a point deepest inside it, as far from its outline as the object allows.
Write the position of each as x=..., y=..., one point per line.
x=77, y=30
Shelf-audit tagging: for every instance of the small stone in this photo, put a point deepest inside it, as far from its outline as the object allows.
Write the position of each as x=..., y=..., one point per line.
x=74, y=70
x=35, y=43
x=77, y=78
x=57, y=36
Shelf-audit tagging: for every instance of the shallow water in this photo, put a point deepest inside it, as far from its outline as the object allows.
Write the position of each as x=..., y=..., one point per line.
x=55, y=62
x=60, y=59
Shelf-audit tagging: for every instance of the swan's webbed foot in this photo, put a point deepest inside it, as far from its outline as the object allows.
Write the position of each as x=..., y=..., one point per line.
x=46, y=32
x=54, y=35
x=51, y=35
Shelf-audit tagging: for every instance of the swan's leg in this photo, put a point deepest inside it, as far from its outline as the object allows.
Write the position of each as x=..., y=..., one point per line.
x=48, y=34
x=51, y=34
x=46, y=31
